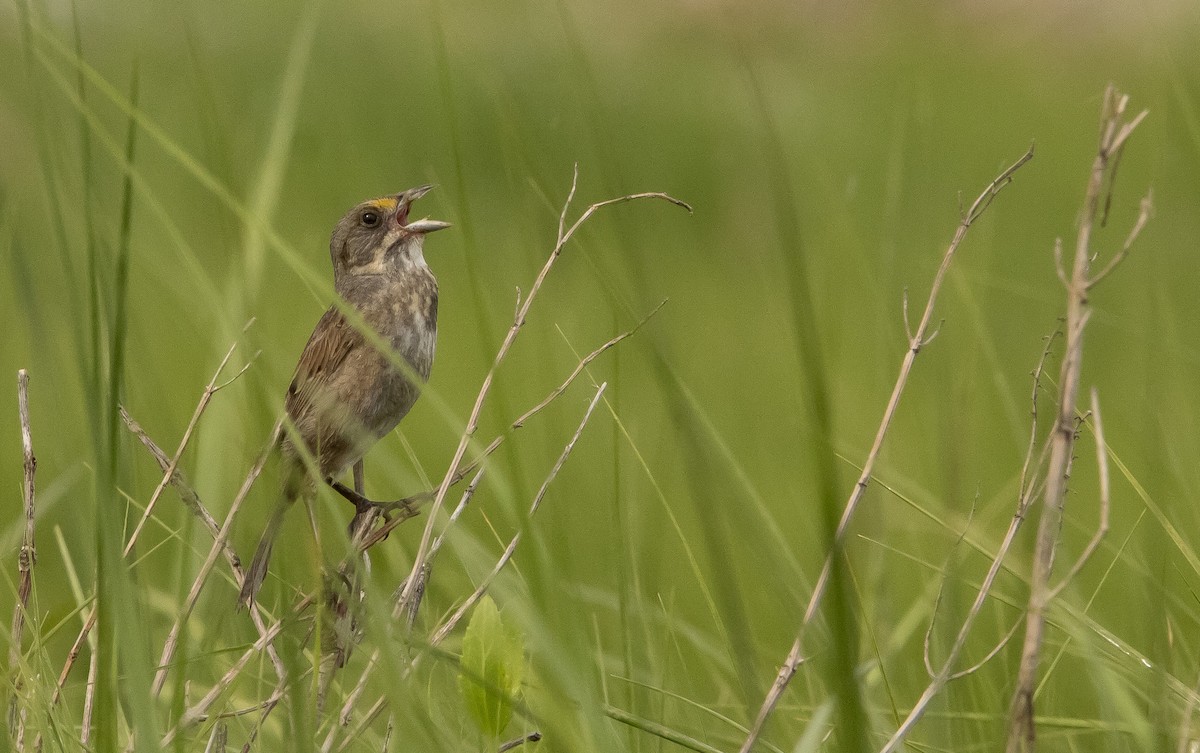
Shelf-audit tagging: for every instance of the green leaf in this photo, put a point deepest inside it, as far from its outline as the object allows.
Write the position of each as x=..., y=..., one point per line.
x=491, y=669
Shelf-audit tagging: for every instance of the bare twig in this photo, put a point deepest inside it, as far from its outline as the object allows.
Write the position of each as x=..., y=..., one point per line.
x=89, y=700
x=440, y=634
x=468, y=468
x=1026, y=494
x=169, y=473
x=360, y=686
x=1114, y=131
x=1102, y=526
x=1144, y=213
x=192, y=501
x=937, y=601
x=217, y=740
x=187, y=494
x=564, y=235
x=444, y=630
x=219, y=545
x=368, y=717
x=26, y=559
x=1000, y=644
x=172, y=475
x=794, y=658
x=583, y=364
x=198, y=711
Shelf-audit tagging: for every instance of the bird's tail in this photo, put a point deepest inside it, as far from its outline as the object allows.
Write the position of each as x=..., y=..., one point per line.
x=257, y=572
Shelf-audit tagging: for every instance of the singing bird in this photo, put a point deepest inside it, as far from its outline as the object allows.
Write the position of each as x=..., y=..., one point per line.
x=347, y=393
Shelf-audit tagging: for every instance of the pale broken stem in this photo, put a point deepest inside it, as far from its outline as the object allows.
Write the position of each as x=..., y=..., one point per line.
x=466, y=469
x=210, y=390
x=989, y=655
x=564, y=235
x=1026, y=483
x=1027, y=492
x=217, y=739
x=440, y=634
x=265, y=708
x=73, y=656
x=1114, y=131
x=915, y=343
x=26, y=559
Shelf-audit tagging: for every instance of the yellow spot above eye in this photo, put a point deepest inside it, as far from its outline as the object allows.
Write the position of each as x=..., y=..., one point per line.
x=385, y=205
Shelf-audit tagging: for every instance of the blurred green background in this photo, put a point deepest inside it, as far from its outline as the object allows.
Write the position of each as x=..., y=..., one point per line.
x=824, y=148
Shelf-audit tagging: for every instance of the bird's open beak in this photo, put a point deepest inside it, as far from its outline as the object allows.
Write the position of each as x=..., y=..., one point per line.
x=424, y=225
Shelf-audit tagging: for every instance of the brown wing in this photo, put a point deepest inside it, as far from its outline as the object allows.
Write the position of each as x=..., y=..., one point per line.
x=332, y=340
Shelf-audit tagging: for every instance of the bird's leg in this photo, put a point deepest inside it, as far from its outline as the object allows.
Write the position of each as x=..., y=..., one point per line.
x=361, y=519
x=359, y=481
x=406, y=507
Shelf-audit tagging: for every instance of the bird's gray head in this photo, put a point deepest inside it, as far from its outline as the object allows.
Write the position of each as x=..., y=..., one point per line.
x=376, y=237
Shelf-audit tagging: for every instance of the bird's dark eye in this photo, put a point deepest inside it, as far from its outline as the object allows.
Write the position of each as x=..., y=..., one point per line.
x=370, y=219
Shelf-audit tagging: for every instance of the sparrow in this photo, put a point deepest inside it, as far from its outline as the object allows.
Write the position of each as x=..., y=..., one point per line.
x=347, y=392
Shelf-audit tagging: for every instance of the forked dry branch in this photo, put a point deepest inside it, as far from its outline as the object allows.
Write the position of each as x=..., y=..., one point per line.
x=565, y=234
x=917, y=339
x=1115, y=129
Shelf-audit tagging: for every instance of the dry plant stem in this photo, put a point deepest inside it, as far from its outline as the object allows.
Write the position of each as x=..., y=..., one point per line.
x=218, y=546
x=89, y=701
x=441, y=633
x=73, y=656
x=374, y=711
x=1114, y=131
x=1027, y=492
x=210, y=390
x=192, y=501
x=564, y=235
x=916, y=341
x=470, y=467
x=945, y=673
x=217, y=740
x=26, y=559
x=186, y=493
x=360, y=686
x=926, y=651
x=1102, y=527
x=197, y=712
x=266, y=707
